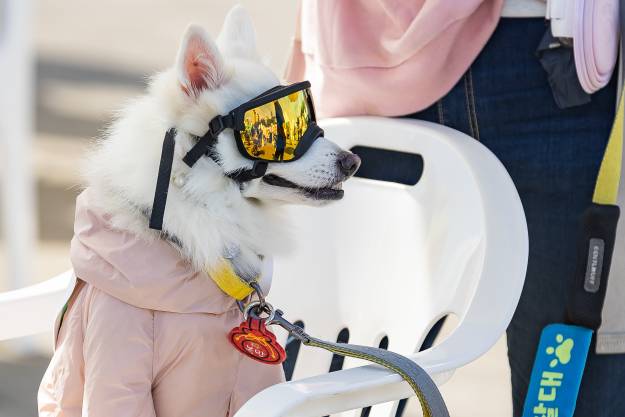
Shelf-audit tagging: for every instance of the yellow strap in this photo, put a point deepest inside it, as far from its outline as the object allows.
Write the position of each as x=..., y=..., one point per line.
x=228, y=281
x=606, y=188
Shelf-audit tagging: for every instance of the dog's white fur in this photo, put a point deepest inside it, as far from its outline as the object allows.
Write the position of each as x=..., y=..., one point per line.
x=205, y=210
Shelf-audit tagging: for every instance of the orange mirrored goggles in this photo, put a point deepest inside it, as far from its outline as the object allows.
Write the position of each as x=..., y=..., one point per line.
x=279, y=125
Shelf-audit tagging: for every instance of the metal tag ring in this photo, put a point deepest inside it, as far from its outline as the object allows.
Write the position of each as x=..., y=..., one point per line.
x=267, y=308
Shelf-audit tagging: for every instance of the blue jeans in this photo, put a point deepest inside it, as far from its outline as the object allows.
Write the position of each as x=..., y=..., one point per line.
x=553, y=156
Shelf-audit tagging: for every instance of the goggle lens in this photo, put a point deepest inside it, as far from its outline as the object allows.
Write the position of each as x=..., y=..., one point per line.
x=273, y=130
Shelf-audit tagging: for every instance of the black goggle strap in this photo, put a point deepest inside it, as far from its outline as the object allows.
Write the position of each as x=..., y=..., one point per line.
x=216, y=126
x=162, y=181
x=243, y=175
x=203, y=146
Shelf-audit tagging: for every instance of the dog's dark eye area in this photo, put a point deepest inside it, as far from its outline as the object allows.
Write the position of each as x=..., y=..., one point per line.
x=324, y=193
x=277, y=181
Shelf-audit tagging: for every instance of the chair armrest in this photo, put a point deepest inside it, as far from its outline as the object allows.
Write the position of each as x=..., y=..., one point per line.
x=331, y=393
x=365, y=385
x=33, y=309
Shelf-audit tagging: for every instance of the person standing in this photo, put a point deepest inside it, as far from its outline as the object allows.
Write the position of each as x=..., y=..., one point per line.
x=472, y=65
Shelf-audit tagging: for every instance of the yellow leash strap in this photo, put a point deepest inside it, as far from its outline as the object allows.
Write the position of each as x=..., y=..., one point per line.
x=606, y=188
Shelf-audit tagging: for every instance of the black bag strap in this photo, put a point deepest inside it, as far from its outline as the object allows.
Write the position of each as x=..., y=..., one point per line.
x=599, y=224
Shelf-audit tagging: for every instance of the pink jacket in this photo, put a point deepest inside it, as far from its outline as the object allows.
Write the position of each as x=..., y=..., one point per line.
x=387, y=57
x=144, y=334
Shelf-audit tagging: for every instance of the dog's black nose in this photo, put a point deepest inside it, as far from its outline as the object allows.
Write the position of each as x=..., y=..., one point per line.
x=348, y=163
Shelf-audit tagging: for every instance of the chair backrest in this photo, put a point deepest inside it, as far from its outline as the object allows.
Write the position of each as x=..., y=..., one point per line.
x=389, y=260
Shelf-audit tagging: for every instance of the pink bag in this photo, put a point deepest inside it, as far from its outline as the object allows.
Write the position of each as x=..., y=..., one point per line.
x=593, y=25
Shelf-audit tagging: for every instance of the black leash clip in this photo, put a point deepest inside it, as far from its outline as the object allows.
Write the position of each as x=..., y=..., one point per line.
x=256, y=309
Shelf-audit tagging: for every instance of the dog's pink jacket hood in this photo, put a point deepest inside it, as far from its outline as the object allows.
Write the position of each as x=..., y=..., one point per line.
x=147, y=275
x=144, y=334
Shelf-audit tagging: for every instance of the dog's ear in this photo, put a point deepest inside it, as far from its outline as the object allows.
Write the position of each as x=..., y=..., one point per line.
x=199, y=64
x=238, y=37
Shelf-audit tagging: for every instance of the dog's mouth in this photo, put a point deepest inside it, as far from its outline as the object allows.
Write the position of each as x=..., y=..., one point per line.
x=333, y=192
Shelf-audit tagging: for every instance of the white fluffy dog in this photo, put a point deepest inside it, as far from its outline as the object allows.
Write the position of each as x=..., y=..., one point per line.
x=145, y=332
x=206, y=211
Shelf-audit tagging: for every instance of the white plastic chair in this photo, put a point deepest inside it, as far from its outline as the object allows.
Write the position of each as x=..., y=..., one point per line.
x=387, y=260
x=391, y=260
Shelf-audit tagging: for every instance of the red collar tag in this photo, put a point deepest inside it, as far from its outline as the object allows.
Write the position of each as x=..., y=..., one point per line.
x=253, y=339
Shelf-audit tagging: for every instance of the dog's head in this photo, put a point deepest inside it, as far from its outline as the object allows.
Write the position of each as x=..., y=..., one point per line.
x=208, y=212
x=215, y=77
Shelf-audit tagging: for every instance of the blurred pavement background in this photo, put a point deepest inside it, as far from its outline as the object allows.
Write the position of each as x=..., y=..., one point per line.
x=90, y=58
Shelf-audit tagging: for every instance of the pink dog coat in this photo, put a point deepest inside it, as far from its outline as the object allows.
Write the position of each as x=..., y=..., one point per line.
x=144, y=334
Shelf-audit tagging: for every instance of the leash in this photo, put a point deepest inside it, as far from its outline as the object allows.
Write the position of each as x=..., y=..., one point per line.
x=427, y=392
x=430, y=398
x=252, y=338
x=563, y=347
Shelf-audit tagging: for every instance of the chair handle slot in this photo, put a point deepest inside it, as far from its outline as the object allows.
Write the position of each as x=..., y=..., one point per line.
x=389, y=165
